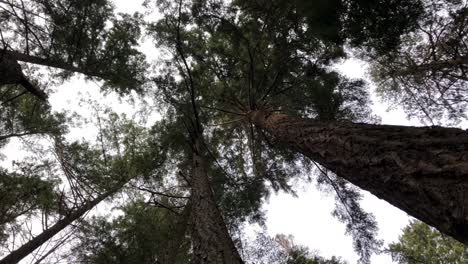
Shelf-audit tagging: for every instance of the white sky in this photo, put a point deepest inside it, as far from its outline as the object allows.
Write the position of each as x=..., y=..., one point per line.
x=308, y=217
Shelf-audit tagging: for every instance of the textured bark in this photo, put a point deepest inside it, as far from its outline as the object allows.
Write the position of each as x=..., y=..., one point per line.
x=33, y=244
x=421, y=170
x=211, y=241
x=11, y=73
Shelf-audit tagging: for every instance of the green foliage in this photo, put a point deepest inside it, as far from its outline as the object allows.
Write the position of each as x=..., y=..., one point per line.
x=225, y=59
x=78, y=36
x=141, y=235
x=360, y=224
x=421, y=243
x=25, y=115
x=378, y=25
x=235, y=58
x=23, y=194
x=427, y=74
x=302, y=256
x=374, y=26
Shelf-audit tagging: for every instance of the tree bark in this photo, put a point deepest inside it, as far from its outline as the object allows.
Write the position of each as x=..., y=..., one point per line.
x=33, y=244
x=421, y=170
x=17, y=56
x=212, y=243
x=11, y=73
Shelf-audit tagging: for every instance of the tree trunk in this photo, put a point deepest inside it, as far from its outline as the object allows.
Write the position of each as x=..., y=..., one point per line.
x=212, y=243
x=33, y=244
x=445, y=66
x=17, y=56
x=421, y=170
x=11, y=73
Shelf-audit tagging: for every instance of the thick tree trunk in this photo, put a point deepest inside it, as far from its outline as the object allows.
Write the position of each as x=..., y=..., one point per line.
x=421, y=170
x=33, y=244
x=212, y=243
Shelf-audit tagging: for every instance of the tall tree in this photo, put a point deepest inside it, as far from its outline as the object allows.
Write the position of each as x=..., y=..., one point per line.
x=26, y=249
x=84, y=37
x=243, y=68
x=239, y=62
x=427, y=74
x=417, y=169
x=89, y=174
x=211, y=241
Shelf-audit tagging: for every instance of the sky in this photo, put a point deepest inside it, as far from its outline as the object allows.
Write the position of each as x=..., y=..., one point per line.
x=308, y=216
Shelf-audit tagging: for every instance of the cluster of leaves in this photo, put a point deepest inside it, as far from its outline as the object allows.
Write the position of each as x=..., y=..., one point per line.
x=375, y=26
x=427, y=73
x=76, y=36
x=141, y=235
x=421, y=243
x=359, y=223
x=25, y=115
x=23, y=194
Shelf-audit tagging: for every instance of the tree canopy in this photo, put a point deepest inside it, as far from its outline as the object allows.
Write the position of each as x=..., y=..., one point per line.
x=181, y=189
x=421, y=243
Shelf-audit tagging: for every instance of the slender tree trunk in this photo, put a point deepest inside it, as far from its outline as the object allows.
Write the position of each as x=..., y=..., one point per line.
x=445, y=65
x=212, y=243
x=421, y=170
x=17, y=56
x=33, y=244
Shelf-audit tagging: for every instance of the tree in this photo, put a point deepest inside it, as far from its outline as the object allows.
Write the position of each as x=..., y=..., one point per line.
x=241, y=62
x=143, y=234
x=23, y=115
x=72, y=36
x=26, y=249
x=230, y=68
x=20, y=196
x=248, y=69
x=11, y=73
x=90, y=174
x=420, y=243
x=282, y=249
x=211, y=241
x=417, y=169
x=427, y=74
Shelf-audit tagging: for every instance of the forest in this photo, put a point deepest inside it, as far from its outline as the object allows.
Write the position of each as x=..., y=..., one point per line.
x=158, y=136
